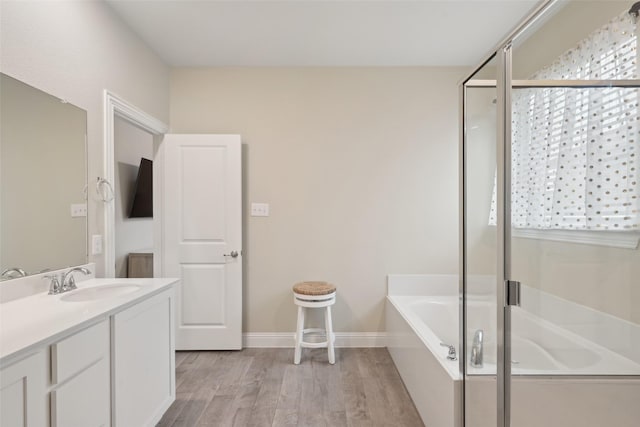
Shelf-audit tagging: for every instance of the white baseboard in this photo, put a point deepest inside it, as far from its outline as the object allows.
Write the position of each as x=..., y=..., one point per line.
x=286, y=339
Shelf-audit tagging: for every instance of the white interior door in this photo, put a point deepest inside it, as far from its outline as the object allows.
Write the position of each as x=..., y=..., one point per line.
x=202, y=238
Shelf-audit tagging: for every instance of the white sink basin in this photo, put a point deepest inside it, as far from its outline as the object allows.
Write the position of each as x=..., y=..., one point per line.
x=100, y=292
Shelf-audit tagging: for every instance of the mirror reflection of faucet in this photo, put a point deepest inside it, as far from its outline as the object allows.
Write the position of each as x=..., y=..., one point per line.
x=13, y=272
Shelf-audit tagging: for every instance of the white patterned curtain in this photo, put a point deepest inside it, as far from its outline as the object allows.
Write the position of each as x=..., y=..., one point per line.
x=575, y=151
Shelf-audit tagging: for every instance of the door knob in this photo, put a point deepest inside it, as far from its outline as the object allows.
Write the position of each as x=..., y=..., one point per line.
x=233, y=254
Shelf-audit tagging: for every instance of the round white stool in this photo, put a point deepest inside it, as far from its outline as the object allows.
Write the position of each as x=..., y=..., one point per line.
x=314, y=295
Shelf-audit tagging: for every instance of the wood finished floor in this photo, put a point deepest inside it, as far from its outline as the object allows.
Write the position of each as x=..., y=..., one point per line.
x=262, y=387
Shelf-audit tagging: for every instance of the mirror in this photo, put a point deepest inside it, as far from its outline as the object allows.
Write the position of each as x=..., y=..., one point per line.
x=43, y=178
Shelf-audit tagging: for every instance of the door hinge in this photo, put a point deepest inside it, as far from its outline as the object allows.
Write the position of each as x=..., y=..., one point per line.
x=512, y=292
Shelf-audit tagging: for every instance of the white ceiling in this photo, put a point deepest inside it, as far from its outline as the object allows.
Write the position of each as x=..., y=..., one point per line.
x=321, y=32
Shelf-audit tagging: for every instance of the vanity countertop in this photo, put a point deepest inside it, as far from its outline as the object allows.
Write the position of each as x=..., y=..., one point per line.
x=27, y=324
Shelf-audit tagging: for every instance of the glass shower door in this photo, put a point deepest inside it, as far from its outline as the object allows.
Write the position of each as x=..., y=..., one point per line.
x=574, y=221
x=574, y=339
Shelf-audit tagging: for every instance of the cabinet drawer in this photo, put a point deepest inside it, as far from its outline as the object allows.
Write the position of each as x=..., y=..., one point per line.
x=73, y=354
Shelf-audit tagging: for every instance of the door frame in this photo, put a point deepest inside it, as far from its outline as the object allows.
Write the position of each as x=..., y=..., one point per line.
x=116, y=106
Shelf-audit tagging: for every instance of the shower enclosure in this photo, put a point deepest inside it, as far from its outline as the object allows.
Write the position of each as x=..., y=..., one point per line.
x=550, y=224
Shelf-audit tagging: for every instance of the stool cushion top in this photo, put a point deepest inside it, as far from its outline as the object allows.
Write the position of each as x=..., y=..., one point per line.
x=314, y=288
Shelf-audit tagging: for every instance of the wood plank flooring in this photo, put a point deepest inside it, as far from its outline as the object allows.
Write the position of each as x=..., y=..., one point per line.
x=262, y=387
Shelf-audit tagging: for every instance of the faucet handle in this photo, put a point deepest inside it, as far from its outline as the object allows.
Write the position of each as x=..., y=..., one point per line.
x=452, y=351
x=69, y=284
x=54, y=285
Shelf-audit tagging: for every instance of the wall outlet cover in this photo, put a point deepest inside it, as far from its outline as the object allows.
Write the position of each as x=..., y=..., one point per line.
x=96, y=244
x=259, y=209
x=78, y=210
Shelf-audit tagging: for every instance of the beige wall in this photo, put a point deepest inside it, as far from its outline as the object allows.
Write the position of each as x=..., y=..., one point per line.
x=74, y=50
x=132, y=234
x=359, y=166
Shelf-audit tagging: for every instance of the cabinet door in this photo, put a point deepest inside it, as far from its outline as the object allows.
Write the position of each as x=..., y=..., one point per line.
x=143, y=361
x=23, y=399
x=84, y=399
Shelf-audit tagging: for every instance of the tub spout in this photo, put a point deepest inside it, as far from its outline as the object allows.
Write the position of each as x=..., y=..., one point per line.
x=477, y=349
x=452, y=351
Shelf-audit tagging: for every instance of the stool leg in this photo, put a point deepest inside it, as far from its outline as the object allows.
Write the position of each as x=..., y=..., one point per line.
x=328, y=325
x=299, y=332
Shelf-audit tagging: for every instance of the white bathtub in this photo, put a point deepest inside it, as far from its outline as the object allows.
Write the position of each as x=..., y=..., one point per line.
x=538, y=347
x=417, y=324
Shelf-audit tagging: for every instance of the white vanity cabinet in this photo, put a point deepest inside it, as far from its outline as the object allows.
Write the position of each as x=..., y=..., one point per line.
x=143, y=361
x=23, y=399
x=64, y=384
x=110, y=363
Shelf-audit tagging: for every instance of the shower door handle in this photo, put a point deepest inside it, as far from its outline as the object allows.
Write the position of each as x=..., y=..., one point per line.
x=512, y=292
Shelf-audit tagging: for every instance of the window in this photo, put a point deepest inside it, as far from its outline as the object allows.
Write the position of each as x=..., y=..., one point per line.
x=575, y=151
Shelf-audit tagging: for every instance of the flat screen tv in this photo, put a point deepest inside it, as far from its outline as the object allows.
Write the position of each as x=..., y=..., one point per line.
x=142, y=205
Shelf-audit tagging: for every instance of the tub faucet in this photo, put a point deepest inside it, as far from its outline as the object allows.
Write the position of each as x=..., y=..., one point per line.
x=476, y=349
x=452, y=351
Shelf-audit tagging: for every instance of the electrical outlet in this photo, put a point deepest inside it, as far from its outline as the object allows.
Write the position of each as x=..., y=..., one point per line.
x=259, y=209
x=78, y=210
x=96, y=244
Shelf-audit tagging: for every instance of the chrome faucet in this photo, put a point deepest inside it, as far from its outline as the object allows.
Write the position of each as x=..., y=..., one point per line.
x=477, y=349
x=9, y=273
x=65, y=282
x=452, y=351
x=68, y=281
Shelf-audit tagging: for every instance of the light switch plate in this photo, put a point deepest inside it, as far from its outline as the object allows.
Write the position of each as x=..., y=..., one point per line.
x=78, y=210
x=259, y=209
x=96, y=244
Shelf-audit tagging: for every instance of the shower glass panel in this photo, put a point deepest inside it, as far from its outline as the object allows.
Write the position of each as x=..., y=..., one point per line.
x=575, y=219
x=480, y=246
